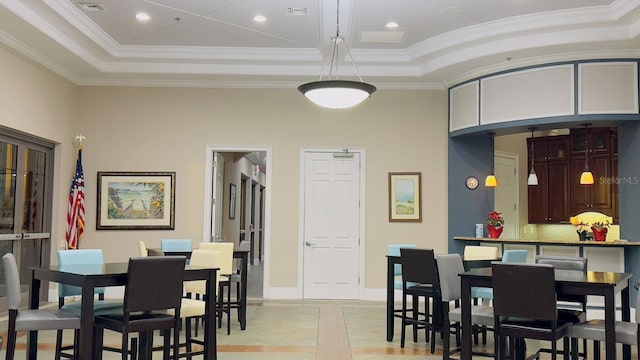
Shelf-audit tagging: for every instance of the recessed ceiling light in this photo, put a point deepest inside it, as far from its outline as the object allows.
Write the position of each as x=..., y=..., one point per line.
x=143, y=17
x=259, y=18
x=392, y=25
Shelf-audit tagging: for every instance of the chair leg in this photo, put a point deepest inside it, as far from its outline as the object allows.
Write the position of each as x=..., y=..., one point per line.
x=403, y=320
x=596, y=350
x=228, y=308
x=98, y=339
x=11, y=337
x=415, y=307
x=187, y=335
x=176, y=342
x=565, y=345
x=167, y=345
x=446, y=340
x=58, y=344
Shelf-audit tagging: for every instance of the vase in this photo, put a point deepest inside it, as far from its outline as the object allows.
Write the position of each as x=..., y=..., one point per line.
x=599, y=234
x=494, y=232
x=582, y=234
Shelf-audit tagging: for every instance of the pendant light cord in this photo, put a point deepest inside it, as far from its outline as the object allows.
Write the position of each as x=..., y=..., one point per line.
x=332, y=55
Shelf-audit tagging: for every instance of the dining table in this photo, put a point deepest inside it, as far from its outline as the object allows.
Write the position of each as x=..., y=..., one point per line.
x=89, y=277
x=243, y=256
x=605, y=284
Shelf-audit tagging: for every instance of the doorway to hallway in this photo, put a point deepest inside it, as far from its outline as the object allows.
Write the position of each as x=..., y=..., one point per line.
x=237, y=205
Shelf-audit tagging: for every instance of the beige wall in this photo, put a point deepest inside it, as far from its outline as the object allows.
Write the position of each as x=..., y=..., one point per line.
x=167, y=129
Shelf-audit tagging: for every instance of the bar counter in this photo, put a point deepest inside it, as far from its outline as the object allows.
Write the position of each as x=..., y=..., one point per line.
x=614, y=243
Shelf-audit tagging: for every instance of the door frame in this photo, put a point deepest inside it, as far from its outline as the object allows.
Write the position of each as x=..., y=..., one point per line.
x=208, y=195
x=361, y=219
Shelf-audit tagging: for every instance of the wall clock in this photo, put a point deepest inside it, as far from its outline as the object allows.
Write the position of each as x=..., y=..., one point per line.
x=472, y=182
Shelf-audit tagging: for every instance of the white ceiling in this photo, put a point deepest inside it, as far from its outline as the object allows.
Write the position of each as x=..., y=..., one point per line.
x=215, y=43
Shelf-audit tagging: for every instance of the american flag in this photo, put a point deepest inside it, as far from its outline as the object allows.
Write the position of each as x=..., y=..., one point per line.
x=75, y=214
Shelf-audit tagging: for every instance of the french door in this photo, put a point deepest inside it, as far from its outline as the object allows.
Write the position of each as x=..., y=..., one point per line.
x=25, y=203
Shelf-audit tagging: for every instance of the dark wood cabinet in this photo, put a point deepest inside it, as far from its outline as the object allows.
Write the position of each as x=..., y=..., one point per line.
x=559, y=161
x=549, y=200
x=597, y=197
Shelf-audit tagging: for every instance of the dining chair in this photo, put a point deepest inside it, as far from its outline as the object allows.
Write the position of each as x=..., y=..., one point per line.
x=508, y=256
x=572, y=307
x=224, y=278
x=194, y=309
x=476, y=252
x=30, y=320
x=450, y=266
x=525, y=307
x=146, y=302
x=142, y=248
x=420, y=280
x=90, y=257
x=176, y=245
x=627, y=333
x=394, y=250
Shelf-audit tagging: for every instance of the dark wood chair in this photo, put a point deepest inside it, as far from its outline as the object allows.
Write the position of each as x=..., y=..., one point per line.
x=525, y=306
x=420, y=280
x=154, y=287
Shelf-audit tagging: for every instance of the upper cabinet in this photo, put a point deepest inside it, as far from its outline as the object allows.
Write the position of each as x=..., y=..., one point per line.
x=559, y=162
x=549, y=200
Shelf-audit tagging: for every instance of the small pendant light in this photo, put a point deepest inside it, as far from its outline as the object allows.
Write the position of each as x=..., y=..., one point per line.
x=586, y=178
x=533, y=178
x=491, y=180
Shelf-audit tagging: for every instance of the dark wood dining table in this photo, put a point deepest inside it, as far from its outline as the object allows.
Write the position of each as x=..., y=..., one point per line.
x=605, y=284
x=89, y=277
x=243, y=256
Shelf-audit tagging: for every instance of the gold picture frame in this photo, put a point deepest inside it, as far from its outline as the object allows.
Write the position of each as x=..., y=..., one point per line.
x=405, y=197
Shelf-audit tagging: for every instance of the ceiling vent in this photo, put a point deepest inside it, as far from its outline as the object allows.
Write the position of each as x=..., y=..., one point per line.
x=92, y=7
x=297, y=10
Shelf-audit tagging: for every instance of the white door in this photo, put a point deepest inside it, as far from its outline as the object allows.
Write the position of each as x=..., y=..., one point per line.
x=331, y=225
x=506, y=194
x=218, y=196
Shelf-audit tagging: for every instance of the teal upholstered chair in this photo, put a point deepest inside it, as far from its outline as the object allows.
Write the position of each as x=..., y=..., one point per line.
x=394, y=250
x=508, y=256
x=92, y=257
x=176, y=245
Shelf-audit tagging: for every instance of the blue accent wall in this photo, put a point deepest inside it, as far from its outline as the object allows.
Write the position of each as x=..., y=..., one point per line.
x=629, y=195
x=468, y=156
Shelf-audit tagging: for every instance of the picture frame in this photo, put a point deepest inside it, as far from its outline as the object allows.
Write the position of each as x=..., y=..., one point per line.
x=129, y=200
x=405, y=197
x=232, y=201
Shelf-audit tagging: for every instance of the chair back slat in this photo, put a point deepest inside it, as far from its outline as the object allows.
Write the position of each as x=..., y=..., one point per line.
x=449, y=268
x=154, y=283
x=418, y=266
x=525, y=291
x=12, y=281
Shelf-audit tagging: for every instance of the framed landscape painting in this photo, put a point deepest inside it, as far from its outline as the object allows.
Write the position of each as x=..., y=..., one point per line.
x=405, y=197
x=136, y=201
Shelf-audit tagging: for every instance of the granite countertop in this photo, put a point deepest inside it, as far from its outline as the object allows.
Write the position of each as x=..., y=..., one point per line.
x=551, y=241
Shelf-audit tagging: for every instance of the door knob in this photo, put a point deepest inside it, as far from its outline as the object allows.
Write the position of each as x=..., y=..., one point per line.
x=309, y=243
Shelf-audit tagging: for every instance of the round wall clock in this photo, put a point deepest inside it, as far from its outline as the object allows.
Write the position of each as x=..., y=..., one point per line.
x=472, y=182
